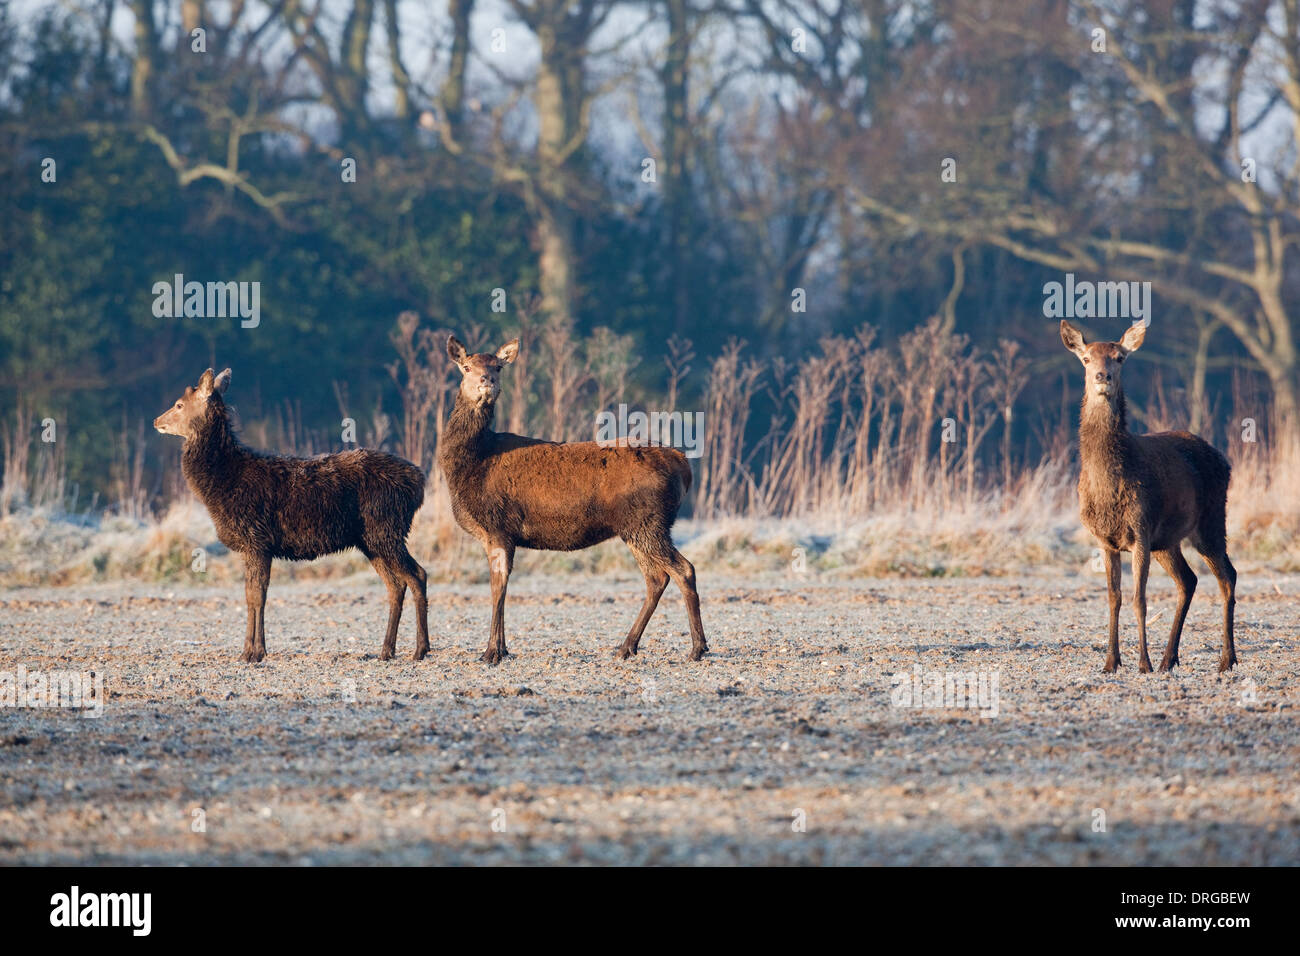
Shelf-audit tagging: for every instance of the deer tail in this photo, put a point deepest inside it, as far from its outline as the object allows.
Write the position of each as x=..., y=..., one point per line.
x=1218, y=467
x=682, y=468
x=411, y=481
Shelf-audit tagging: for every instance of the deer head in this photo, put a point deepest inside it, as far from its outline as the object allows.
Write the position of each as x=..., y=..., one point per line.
x=481, y=374
x=1102, y=360
x=193, y=405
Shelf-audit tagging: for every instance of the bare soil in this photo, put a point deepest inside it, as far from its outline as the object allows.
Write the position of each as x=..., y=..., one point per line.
x=785, y=745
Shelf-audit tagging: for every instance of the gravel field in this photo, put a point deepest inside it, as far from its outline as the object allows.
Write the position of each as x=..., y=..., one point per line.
x=788, y=744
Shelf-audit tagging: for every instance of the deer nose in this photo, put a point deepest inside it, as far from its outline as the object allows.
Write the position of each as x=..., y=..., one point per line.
x=1102, y=376
x=482, y=378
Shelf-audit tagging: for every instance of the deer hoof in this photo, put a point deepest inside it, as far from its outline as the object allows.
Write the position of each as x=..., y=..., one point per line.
x=623, y=652
x=253, y=655
x=419, y=653
x=1111, y=666
x=1226, y=663
x=1144, y=666
x=494, y=656
x=1168, y=664
x=698, y=653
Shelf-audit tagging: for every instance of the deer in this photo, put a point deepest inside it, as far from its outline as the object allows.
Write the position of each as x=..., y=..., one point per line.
x=510, y=491
x=268, y=506
x=1147, y=494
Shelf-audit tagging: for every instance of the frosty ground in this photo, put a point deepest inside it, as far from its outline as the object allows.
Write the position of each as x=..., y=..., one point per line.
x=786, y=745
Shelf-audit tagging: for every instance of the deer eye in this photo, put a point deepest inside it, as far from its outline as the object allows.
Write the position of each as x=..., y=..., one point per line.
x=179, y=404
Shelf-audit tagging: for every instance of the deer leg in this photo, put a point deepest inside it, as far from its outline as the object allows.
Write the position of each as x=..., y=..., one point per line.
x=656, y=579
x=683, y=574
x=1141, y=568
x=1174, y=563
x=416, y=579
x=387, y=569
x=500, y=560
x=257, y=577
x=1114, y=575
x=1227, y=575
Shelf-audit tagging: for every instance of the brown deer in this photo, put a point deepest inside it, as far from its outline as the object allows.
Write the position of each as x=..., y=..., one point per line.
x=512, y=492
x=269, y=506
x=1146, y=494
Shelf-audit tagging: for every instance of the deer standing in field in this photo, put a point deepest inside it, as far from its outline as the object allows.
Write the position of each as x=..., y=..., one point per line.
x=512, y=492
x=269, y=506
x=1146, y=494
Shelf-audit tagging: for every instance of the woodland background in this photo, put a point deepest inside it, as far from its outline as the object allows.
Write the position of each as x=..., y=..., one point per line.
x=797, y=150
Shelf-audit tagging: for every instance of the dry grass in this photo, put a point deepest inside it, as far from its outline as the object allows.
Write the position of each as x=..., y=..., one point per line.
x=1034, y=526
x=876, y=461
x=1264, y=506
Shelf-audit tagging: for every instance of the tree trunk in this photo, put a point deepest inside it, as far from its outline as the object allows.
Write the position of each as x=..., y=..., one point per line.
x=353, y=78
x=145, y=59
x=676, y=149
x=555, y=258
x=397, y=70
x=191, y=17
x=453, y=91
x=558, y=103
x=1286, y=408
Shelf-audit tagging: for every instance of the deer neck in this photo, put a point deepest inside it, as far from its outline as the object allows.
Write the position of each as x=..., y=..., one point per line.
x=1104, y=436
x=466, y=433
x=211, y=457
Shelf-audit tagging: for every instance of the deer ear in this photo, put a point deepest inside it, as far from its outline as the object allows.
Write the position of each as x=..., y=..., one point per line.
x=222, y=382
x=205, y=384
x=455, y=351
x=1072, y=338
x=508, y=351
x=1132, y=340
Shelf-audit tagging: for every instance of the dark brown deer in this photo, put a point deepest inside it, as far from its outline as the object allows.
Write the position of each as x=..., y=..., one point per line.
x=512, y=492
x=269, y=506
x=1146, y=494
